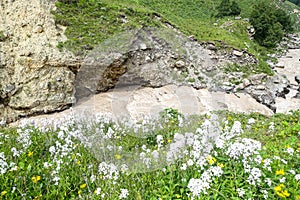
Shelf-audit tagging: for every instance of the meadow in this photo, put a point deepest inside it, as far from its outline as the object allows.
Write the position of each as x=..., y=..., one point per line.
x=219, y=155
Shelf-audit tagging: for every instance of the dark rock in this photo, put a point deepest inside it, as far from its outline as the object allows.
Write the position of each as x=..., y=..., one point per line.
x=297, y=79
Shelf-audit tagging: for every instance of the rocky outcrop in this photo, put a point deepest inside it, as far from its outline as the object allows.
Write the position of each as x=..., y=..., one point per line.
x=35, y=76
x=154, y=58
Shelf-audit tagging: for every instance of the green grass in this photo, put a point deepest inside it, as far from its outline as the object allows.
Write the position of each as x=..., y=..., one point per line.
x=76, y=160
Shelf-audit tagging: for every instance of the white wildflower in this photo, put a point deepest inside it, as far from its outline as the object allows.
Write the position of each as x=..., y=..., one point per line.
x=15, y=152
x=216, y=171
x=183, y=167
x=254, y=177
x=268, y=181
x=265, y=193
x=3, y=163
x=109, y=171
x=190, y=162
x=56, y=180
x=124, y=194
x=258, y=159
x=297, y=177
x=251, y=121
x=290, y=151
x=98, y=191
x=241, y=192
x=52, y=150
x=282, y=180
x=267, y=164
x=292, y=171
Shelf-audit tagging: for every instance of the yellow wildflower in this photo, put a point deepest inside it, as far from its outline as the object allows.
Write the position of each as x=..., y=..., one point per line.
x=221, y=165
x=30, y=153
x=79, y=192
x=35, y=179
x=78, y=162
x=280, y=192
x=83, y=186
x=298, y=197
x=287, y=146
x=169, y=141
x=211, y=160
x=118, y=156
x=3, y=193
x=279, y=172
x=178, y=196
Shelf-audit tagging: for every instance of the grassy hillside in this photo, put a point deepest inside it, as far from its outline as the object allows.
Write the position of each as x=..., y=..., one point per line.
x=91, y=21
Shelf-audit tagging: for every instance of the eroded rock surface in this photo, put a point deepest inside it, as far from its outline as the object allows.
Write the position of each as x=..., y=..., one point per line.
x=135, y=103
x=35, y=77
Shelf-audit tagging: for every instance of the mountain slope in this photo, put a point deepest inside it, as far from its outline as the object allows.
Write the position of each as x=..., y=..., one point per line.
x=92, y=21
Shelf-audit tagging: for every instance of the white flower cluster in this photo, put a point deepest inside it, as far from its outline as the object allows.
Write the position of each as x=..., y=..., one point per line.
x=198, y=186
x=254, y=177
x=24, y=138
x=124, y=194
x=108, y=171
x=3, y=163
x=243, y=148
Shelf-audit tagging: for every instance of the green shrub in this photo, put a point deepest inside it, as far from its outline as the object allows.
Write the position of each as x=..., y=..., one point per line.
x=270, y=23
x=228, y=8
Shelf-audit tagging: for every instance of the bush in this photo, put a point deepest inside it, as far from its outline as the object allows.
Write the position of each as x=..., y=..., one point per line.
x=228, y=8
x=270, y=23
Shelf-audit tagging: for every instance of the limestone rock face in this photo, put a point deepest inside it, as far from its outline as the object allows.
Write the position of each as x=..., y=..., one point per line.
x=35, y=77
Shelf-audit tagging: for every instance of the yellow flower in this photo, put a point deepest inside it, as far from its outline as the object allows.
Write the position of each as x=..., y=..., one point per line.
x=211, y=160
x=287, y=146
x=30, y=153
x=279, y=172
x=298, y=197
x=220, y=165
x=3, y=193
x=78, y=162
x=83, y=186
x=169, y=141
x=79, y=192
x=280, y=192
x=178, y=196
x=35, y=179
x=118, y=156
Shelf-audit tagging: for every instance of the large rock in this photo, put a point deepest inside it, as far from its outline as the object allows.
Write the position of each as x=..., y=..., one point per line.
x=35, y=76
x=145, y=57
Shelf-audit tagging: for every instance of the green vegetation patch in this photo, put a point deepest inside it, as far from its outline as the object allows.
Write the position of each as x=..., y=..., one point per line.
x=220, y=155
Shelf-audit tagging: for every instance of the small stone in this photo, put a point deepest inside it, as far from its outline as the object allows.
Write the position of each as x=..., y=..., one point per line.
x=180, y=64
x=211, y=47
x=9, y=88
x=237, y=53
x=27, y=53
x=143, y=46
x=260, y=87
x=38, y=29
